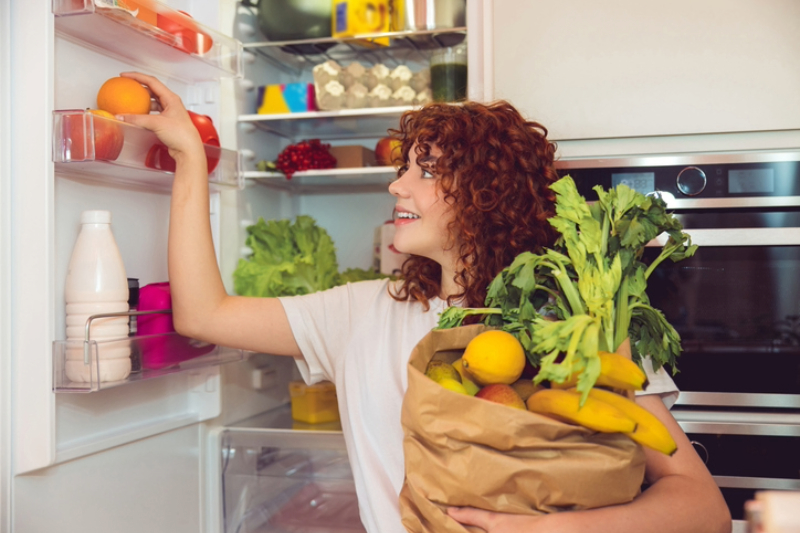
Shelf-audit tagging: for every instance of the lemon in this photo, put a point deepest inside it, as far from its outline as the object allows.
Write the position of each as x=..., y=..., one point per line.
x=453, y=385
x=494, y=356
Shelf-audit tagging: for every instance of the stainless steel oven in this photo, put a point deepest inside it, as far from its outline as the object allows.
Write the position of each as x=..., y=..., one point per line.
x=735, y=303
x=746, y=451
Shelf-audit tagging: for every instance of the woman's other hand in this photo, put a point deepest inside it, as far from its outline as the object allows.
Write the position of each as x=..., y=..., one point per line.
x=172, y=124
x=508, y=523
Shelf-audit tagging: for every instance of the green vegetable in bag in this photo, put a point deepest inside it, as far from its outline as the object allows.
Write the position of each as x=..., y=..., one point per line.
x=587, y=293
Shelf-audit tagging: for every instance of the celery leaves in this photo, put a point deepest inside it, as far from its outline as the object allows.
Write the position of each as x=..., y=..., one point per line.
x=588, y=292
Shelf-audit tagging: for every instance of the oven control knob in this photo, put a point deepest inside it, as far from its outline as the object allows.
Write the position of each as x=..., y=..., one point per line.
x=691, y=181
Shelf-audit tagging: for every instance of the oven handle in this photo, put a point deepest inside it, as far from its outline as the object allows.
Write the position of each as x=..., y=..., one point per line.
x=685, y=204
x=759, y=483
x=737, y=237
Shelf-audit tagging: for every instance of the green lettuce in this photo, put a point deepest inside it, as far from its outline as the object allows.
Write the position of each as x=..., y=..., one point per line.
x=291, y=259
x=288, y=259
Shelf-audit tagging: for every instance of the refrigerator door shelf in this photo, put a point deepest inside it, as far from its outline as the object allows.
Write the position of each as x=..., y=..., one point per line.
x=278, y=480
x=152, y=36
x=342, y=124
x=104, y=150
x=328, y=181
x=115, y=362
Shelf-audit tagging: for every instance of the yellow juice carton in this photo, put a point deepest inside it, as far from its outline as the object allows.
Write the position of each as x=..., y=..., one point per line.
x=355, y=17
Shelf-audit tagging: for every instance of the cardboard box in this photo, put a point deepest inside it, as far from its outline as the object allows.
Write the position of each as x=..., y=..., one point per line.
x=355, y=156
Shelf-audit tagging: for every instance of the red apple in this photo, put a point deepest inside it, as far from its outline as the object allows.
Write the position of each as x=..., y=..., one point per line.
x=387, y=150
x=106, y=131
x=158, y=156
x=502, y=394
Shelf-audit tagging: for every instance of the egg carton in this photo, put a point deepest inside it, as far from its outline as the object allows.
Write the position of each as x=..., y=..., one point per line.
x=357, y=87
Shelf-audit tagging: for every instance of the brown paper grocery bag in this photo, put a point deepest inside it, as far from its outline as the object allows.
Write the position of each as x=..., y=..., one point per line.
x=466, y=451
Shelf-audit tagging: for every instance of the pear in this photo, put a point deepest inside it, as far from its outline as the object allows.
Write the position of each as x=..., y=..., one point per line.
x=453, y=385
x=439, y=370
x=471, y=387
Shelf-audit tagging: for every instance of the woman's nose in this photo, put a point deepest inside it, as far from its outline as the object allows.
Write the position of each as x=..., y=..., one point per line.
x=396, y=187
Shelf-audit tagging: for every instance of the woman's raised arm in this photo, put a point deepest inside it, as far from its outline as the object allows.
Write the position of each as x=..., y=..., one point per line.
x=201, y=307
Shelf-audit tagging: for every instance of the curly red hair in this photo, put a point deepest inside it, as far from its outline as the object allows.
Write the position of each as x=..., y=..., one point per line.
x=495, y=170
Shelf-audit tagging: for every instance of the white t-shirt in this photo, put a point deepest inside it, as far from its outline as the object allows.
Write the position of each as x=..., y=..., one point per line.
x=360, y=338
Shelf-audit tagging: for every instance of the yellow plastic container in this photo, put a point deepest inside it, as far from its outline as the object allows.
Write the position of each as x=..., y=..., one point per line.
x=314, y=404
x=354, y=17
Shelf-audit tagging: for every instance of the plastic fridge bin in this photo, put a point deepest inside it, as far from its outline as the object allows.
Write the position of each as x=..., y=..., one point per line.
x=287, y=481
x=162, y=351
x=314, y=404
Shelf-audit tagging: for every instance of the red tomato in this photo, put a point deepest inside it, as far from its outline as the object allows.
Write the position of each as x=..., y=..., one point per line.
x=188, y=38
x=204, y=125
x=108, y=136
x=158, y=156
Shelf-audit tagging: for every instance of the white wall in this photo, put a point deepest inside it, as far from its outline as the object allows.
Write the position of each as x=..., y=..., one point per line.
x=5, y=265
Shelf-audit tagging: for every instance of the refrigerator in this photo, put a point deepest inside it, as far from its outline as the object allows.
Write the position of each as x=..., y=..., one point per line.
x=208, y=445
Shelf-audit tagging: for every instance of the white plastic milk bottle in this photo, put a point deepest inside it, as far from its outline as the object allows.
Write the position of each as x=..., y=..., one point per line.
x=97, y=284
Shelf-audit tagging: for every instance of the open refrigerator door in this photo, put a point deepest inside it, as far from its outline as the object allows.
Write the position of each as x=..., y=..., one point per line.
x=131, y=446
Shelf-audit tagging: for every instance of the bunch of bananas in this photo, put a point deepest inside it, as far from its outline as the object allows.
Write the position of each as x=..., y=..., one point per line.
x=491, y=368
x=604, y=410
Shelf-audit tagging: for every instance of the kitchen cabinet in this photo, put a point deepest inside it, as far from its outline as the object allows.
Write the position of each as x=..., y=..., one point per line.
x=632, y=77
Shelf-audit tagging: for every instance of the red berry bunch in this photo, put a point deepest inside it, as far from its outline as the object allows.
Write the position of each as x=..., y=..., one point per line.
x=305, y=155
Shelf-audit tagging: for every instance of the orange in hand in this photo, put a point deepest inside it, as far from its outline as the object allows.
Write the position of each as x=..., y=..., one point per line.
x=123, y=96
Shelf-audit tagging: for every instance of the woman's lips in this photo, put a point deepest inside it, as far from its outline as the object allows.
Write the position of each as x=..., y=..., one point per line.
x=404, y=221
x=401, y=217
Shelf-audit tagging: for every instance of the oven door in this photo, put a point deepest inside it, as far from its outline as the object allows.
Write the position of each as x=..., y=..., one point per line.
x=746, y=452
x=735, y=303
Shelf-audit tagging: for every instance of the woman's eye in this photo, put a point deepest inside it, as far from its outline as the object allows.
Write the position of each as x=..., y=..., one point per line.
x=427, y=174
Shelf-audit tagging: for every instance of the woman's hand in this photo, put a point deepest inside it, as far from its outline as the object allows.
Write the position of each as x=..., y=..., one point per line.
x=507, y=523
x=172, y=125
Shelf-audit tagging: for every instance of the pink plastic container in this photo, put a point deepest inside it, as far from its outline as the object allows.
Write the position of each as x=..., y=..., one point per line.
x=165, y=350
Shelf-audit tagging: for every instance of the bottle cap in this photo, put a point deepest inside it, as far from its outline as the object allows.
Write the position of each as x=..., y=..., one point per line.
x=96, y=217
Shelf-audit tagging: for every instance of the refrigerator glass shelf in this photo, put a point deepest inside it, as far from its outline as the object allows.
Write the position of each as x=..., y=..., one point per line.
x=116, y=362
x=150, y=35
x=327, y=181
x=107, y=151
x=403, y=47
x=342, y=124
x=280, y=419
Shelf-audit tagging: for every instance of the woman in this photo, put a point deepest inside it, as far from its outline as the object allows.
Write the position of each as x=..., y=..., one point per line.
x=471, y=195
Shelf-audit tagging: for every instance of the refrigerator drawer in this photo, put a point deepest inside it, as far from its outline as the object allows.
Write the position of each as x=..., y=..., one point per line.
x=277, y=480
